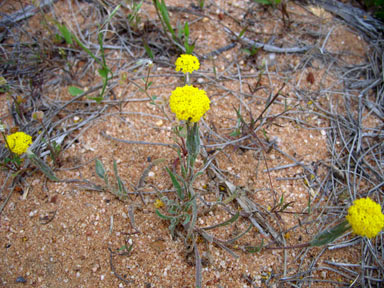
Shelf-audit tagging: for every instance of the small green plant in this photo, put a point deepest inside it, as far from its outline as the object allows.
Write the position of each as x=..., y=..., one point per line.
x=180, y=37
x=118, y=189
x=133, y=17
x=252, y=51
x=18, y=144
x=364, y=219
x=104, y=72
x=189, y=104
x=201, y=4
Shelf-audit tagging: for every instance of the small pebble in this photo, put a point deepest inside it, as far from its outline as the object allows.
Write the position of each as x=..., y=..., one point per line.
x=21, y=279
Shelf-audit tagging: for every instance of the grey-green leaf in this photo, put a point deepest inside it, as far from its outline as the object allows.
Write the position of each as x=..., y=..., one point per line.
x=42, y=166
x=100, y=171
x=327, y=236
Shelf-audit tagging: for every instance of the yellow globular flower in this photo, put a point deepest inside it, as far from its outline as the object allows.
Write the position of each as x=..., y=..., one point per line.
x=187, y=63
x=365, y=217
x=158, y=203
x=19, y=142
x=189, y=103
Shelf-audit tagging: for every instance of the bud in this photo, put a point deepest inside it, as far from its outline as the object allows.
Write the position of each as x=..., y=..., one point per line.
x=38, y=115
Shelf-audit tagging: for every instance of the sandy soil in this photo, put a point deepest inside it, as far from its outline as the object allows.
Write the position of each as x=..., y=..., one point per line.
x=63, y=235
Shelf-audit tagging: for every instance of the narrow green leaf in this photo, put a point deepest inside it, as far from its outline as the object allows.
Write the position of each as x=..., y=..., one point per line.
x=165, y=15
x=235, y=133
x=281, y=200
x=162, y=216
x=176, y=184
x=89, y=52
x=67, y=35
x=148, y=50
x=190, y=48
x=264, y=2
x=327, y=236
x=119, y=183
x=180, y=31
x=97, y=99
x=186, y=30
x=101, y=40
x=186, y=46
x=75, y=91
x=103, y=72
x=100, y=171
x=42, y=166
x=113, y=14
x=237, y=237
x=187, y=219
x=243, y=31
x=229, y=221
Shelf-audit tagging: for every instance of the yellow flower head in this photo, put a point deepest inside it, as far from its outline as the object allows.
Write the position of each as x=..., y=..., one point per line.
x=187, y=63
x=189, y=103
x=365, y=217
x=19, y=142
x=158, y=203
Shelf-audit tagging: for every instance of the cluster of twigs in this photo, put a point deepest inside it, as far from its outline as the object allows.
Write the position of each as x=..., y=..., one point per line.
x=38, y=65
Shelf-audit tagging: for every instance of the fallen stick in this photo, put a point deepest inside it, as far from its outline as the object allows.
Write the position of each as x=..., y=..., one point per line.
x=24, y=13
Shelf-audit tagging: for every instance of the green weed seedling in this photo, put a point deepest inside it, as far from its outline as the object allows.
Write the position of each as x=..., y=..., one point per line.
x=180, y=210
x=180, y=37
x=133, y=17
x=118, y=189
x=104, y=71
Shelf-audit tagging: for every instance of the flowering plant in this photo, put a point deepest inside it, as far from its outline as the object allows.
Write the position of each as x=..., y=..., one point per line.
x=364, y=218
x=18, y=142
x=189, y=104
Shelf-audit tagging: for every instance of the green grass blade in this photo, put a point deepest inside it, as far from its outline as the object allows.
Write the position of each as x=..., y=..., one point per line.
x=186, y=30
x=113, y=14
x=67, y=35
x=164, y=13
x=148, y=50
